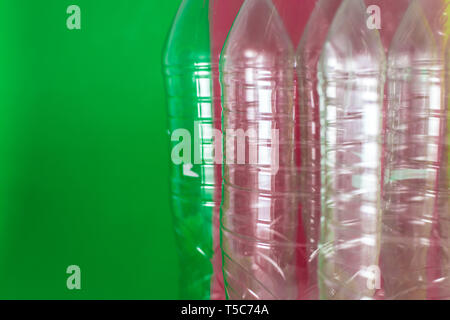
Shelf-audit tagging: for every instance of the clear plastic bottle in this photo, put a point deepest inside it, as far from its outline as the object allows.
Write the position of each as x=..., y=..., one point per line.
x=308, y=54
x=444, y=190
x=189, y=88
x=415, y=144
x=222, y=15
x=351, y=82
x=259, y=207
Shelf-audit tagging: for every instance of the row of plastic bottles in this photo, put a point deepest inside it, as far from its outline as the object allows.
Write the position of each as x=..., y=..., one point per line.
x=333, y=177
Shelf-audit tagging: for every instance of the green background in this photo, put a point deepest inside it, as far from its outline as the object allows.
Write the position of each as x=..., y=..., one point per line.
x=84, y=151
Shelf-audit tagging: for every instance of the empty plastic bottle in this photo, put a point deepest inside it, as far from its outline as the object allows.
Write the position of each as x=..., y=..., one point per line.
x=222, y=15
x=444, y=191
x=259, y=206
x=414, y=199
x=351, y=83
x=189, y=88
x=308, y=54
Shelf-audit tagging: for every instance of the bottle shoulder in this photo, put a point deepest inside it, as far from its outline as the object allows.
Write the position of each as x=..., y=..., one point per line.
x=188, y=42
x=258, y=37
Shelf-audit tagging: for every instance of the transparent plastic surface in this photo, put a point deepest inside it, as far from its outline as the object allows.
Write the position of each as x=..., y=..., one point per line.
x=299, y=15
x=444, y=182
x=222, y=15
x=351, y=83
x=308, y=54
x=334, y=180
x=259, y=202
x=189, y=88
x=415, y=237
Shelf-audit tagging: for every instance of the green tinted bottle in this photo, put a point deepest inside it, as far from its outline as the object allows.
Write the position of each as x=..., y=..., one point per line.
x=187, y=65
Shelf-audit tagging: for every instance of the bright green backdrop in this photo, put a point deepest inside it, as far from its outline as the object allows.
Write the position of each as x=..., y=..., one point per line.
x=83, y=150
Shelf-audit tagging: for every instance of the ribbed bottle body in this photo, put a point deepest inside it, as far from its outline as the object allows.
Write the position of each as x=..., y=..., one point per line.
x=351, y=182
x=259, y=201
x=308, y=55
x=222, y=15
x=192, y=184
x=416, y=118
x=415, y=195
x=351, y=83
x=188, y=74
